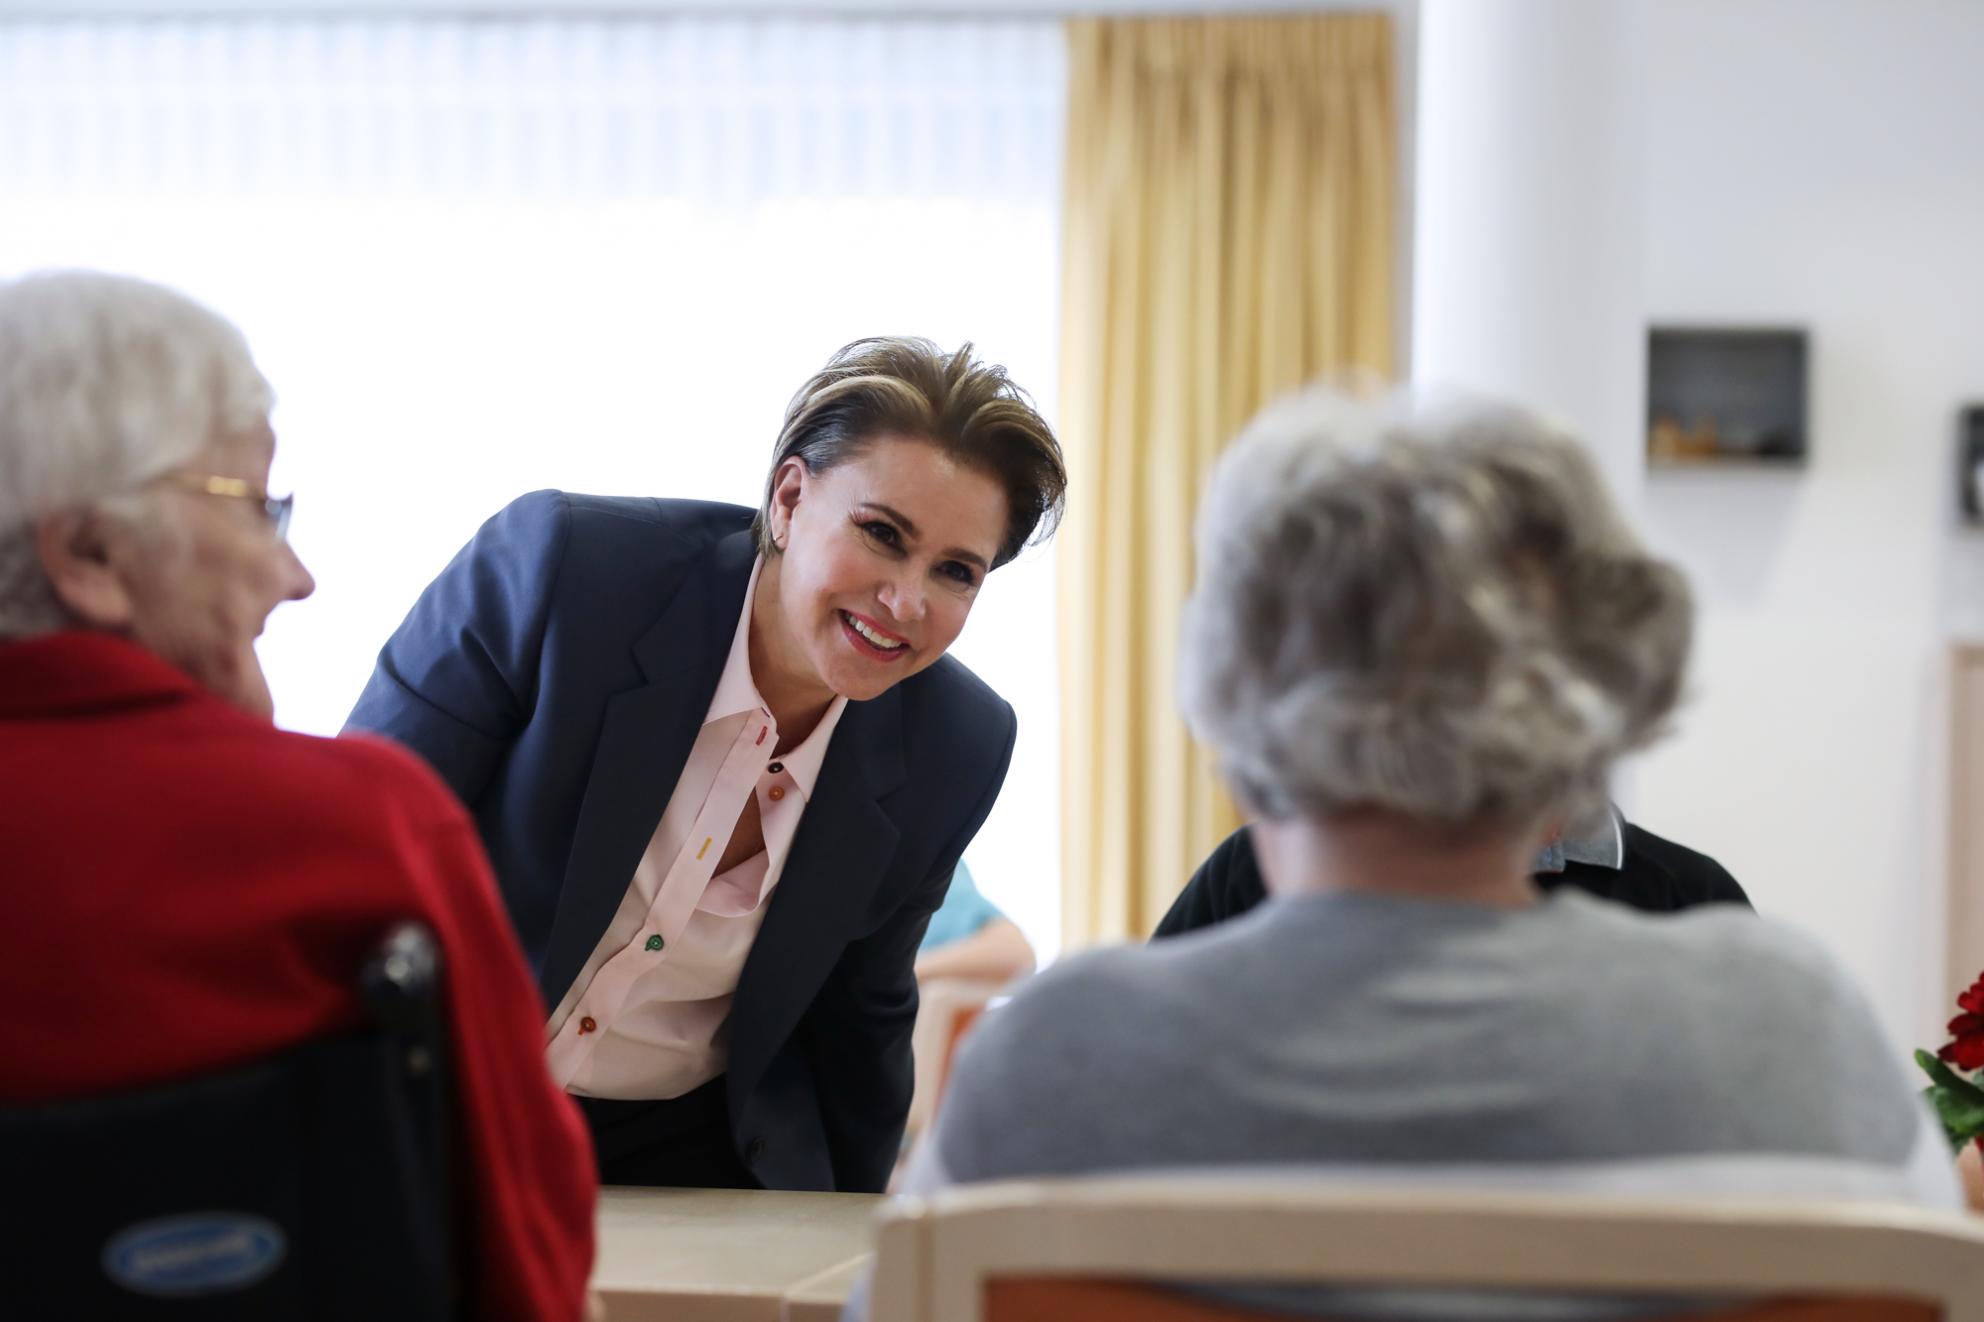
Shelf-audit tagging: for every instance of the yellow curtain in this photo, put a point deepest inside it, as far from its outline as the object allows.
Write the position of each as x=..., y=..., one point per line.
x=1228, y=235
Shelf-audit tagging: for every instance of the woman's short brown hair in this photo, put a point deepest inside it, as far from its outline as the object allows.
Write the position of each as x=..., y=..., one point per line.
x=908, y=386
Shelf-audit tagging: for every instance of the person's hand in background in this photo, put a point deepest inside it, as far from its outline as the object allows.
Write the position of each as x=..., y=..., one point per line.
x=996, y=953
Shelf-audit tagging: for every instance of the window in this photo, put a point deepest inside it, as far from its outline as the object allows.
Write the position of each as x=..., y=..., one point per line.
x=481, y=257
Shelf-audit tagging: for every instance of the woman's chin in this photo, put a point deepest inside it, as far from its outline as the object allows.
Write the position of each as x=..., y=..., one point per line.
x=858, y=679
x=856, y=689
x=240, y=681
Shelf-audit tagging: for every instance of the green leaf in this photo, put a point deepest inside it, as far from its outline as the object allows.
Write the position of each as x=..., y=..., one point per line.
x=1959, y=1103
x=1937, y=1069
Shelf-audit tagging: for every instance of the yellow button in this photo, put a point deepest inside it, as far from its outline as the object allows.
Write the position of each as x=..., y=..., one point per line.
x=776, y=793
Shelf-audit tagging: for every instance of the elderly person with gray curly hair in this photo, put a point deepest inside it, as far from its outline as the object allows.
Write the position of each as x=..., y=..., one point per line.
x=1419, y=638
x=189, y=889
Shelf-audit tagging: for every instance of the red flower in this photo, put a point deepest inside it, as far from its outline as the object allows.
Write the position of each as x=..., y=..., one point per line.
x=1966, y=1047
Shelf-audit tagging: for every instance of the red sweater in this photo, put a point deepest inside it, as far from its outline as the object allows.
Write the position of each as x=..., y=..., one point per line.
x=188, y=888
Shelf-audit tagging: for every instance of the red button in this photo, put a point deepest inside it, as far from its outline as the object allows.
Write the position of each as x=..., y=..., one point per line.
x=586, y=1025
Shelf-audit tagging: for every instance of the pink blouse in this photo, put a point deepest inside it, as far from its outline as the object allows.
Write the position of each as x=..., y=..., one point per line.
x=645, y=1016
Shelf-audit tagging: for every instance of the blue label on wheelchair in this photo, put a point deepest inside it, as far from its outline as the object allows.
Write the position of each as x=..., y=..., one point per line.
x=197, y=1253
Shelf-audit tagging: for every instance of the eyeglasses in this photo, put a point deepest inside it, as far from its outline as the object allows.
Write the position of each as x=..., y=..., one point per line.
x=276, y=507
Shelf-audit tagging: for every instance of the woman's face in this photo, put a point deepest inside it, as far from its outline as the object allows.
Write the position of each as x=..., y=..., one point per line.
x=883, y=555
x=195, y=578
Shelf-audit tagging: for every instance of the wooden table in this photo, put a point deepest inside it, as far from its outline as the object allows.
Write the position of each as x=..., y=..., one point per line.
x=726, y=1255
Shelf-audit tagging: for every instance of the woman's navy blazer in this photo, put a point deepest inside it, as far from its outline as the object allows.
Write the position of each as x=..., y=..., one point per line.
x=556, y=675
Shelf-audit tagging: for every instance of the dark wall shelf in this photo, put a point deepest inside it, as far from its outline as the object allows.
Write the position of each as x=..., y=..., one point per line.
x=1726, y=396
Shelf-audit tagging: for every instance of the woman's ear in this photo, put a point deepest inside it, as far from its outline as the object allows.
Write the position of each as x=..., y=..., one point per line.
x=788, y=486
x=76, y=554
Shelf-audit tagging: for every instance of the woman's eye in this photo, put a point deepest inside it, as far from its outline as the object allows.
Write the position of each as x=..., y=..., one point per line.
x=884, y=533
x=961, y=572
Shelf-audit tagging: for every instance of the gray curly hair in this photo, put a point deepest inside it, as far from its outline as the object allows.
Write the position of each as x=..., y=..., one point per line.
x=1429, y=609
x=105, y=383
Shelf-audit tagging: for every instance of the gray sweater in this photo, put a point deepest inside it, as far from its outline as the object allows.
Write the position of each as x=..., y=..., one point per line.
x=1335, y=1030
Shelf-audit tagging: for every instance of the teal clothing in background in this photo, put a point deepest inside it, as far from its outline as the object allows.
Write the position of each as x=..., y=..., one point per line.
x=963, y=913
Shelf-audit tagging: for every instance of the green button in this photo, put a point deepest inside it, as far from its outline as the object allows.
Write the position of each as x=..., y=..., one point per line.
x=654, y=943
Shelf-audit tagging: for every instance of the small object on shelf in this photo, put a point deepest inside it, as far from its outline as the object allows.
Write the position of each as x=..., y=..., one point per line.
x=1726, y=396
x=1970, y=465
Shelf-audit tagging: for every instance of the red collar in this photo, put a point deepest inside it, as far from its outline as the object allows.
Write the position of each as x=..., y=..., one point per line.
x=83, y=671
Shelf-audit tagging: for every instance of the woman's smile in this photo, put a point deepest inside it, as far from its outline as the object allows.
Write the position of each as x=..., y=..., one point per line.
x=872, y=640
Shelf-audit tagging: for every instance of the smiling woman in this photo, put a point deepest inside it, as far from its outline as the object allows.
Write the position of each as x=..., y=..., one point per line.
x=641, y=699
x=869, y=594
x=904, y=469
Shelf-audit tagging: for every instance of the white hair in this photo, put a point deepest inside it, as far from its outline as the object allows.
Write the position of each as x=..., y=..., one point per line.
x=106, y=382
x=1429, y=609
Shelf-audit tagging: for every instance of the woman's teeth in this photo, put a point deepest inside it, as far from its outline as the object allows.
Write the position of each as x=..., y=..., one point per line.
x=886, y=644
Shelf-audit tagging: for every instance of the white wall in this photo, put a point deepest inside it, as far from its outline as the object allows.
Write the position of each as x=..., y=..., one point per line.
x=1823, y=164
x=1526, y=241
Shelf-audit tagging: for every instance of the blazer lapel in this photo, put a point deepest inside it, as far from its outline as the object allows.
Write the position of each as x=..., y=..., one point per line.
x=844, y=847
x=644, y=742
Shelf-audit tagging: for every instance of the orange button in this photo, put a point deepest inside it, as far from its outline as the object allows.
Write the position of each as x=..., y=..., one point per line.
x=586, y=1025
x=775, y=793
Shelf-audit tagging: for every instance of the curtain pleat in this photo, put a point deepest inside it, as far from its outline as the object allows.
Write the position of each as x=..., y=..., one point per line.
x=1228, y=235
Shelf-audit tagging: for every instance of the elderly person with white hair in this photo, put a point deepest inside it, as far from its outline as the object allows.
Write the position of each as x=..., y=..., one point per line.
x=188, y=888
x=1419, y=638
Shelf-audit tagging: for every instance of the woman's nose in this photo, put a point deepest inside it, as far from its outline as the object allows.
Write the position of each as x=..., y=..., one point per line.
x=905, y=598
x=300, y=583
